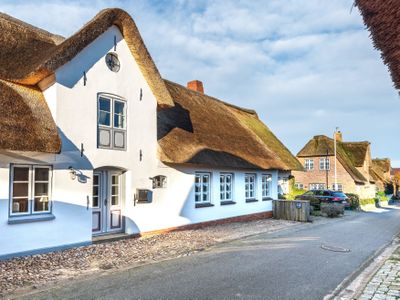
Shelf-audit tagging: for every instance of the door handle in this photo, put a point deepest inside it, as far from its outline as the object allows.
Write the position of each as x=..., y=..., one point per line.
x=105, y=202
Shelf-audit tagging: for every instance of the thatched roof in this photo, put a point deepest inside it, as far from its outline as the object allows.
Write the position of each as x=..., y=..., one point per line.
x=29, y=54
x=383, y=21
x=26, y=123
x=381, y=169
x=204, y=130
x=349, y=154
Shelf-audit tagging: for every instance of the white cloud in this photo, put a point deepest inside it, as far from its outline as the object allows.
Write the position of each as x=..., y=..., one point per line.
x=305, y=66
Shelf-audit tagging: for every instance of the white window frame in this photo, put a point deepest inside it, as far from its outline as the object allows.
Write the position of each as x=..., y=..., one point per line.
x=247, y=186
x=324, y=164
x=266, y=185
x=309, y=164
x=299, y=185
x=316, y=186
x=201, y=175
x=338, y=188
x=111, y=128
x=223, y=187
x=31, y=189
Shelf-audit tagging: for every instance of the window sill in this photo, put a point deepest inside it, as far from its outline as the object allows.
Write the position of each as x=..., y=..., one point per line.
x=200, y=205
x=30, y=219
x=227, y=203
x=251, y=200
x=267, y=199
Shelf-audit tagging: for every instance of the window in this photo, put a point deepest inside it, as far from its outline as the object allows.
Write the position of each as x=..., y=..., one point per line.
x=316, y=186
x=202, y=188
x=111, y=123
x=337, y=187
x=266, y=181
x=29, y=190
x=324, y=164
x=250, y=186
x=226, y=187
x=299, y=186
x=309, y=164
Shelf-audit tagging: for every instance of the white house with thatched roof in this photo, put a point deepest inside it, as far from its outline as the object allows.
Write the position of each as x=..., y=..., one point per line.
x=94, y=142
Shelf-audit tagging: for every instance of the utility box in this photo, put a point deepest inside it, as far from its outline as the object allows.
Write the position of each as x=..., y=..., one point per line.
x=144, y=196
x=292, y=210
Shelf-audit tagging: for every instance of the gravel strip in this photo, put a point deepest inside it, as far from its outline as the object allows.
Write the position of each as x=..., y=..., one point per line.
x=42, y=270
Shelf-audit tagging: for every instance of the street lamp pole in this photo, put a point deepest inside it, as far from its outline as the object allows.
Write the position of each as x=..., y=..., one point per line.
x=335, y=147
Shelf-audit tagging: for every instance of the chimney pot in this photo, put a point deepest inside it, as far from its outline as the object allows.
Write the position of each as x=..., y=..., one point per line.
x=196, y=85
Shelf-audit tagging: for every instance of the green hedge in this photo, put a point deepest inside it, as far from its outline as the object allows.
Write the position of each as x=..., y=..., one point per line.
x=367, y=201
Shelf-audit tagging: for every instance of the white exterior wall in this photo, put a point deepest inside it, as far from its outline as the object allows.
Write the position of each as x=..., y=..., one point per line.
x=74, y=108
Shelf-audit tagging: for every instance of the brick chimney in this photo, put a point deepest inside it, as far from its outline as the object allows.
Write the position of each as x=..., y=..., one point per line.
x=196, y=85
x=339, y=137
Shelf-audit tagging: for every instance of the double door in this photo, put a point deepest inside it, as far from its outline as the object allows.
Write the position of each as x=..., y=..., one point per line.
x=107, y=202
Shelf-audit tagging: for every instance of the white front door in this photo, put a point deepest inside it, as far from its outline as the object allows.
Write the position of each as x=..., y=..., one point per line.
x=107, y=202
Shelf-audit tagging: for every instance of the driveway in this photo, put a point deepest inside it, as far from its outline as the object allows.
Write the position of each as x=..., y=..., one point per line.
x=289, y=264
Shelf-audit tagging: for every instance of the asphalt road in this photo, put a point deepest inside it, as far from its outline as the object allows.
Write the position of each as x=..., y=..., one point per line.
x=285, y=265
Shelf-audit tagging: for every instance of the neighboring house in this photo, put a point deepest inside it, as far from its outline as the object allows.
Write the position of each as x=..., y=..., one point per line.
x=395, y=177
x=380, y=171
x=93, y=142
x=353, y=166
x=382, y=19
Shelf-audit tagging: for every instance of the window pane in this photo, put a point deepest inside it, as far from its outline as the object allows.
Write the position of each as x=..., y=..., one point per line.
x=20, y=205
x=41, y=189
x=41, y=174
x=95, y=191
x=197, y=198
x=114, y=189
x=96, y=179
x=95, y=202
x=119, y=121
x=104, y=104
x=41, y=204
x=115, y=179
x=114, y=200
x=104, y=118
x=20, y=190
x=119, y=108
x=21, y=174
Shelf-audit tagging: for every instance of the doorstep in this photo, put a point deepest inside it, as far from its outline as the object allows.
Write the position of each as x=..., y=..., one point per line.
x=98, y=239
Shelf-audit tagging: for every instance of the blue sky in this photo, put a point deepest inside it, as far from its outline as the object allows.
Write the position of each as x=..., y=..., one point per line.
x=305, y=66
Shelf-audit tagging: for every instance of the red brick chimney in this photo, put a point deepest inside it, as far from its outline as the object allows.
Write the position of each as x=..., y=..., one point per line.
x=196, y=85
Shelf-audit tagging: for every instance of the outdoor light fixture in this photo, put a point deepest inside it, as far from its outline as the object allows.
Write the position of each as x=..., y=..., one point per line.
x=72, y=173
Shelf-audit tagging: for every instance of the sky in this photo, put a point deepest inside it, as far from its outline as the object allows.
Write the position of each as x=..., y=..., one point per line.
x=306, y=67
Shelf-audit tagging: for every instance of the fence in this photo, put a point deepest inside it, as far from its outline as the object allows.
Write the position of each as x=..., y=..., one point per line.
x=293, y=210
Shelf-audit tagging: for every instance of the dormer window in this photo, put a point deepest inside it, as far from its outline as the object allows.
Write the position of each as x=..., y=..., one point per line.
x=111, y=116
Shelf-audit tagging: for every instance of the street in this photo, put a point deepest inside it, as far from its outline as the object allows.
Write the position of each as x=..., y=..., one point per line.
x=290, y=264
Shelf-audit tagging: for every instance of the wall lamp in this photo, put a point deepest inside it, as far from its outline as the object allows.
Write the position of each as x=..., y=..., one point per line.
x=72, y=172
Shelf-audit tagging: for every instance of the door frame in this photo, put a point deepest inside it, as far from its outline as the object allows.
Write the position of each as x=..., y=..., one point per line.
x=107, y=194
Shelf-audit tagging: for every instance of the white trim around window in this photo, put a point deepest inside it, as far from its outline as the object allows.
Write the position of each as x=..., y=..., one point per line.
x=202, y=189
x=309, y=164
x=250, y=181
x=324, y=164
x=30, y=190
x=226, y=186
x=266, y=186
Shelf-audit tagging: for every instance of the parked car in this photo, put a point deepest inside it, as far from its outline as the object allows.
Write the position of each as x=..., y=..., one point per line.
x=327, y=196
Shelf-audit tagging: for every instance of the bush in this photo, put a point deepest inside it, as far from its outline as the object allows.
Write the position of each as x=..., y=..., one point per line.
x=381, y=196
x=293, y=191
x=354, y=201
x=332, y=210
x=367, y=201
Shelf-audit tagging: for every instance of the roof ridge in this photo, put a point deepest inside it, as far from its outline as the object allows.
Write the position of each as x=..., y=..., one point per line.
x=55, y=38
x=246, y=110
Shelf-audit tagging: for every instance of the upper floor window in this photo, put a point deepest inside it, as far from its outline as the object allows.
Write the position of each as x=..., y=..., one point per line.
x=111, y=117
x=226, y=186
x=309, y=164
x=30, y=189
x=324, y=164
x=202, y=188
x=250, y=186
x=266, y=181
